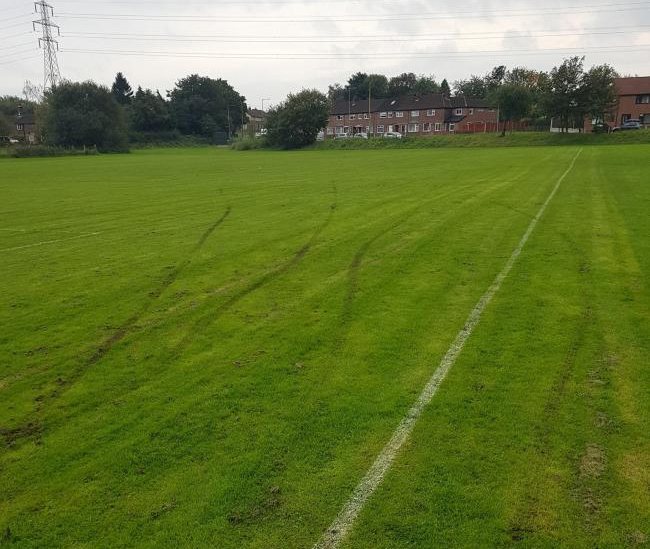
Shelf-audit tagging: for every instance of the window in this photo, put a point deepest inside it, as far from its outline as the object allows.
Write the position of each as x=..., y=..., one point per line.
x=459, y=112
x=399, y=114
x=366, y=116
x=20, y=127
x=426, y=127
x=452, y=127
x=643, y=99
x=339, y=129
x=339, y=117
x=353, y=117
x=346, y=129
x=471, y=111
x=383, y=114
x=414, y=128
x=330, y=130
x=436, y=128
x=415, y=114
x=380, y=129
x=431, y=112
x=391, y=114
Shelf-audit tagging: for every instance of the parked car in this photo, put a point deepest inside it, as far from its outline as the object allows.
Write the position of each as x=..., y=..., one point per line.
x=629, y=125
x=392, y=135
x=320, y=136
x=343, y=136
x=361, y=135
x=5, y=141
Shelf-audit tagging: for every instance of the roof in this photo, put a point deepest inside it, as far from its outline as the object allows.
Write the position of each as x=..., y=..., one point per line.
x=356, y=106
x=409, y=103
x=633, y=86
x=256, y=113
x=27, y=119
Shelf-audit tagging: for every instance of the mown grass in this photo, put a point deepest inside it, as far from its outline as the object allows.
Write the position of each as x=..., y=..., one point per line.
x=204, y=348
x=511, y=139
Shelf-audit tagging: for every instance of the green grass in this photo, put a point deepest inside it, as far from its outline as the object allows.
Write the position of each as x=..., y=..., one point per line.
x=208, y=348
x=511, y=139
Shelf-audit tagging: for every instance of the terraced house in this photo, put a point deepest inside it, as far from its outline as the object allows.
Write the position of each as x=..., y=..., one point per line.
x=419, y=115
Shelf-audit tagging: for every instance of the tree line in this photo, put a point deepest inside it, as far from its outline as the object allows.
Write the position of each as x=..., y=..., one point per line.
x=567, y=93
x=86, y=114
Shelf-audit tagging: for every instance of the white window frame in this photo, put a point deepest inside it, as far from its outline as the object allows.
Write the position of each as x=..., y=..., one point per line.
x=431, y=112
x=399, y=114
x=366, y=116
x=346, y=129
x=471, y=111
x=339, y=130
x=426, y=127
x=416, y=128
x=415, y=114
x=339, y=117
x=383, y=114
x=452, y=127
x=390, y=114
x=353, y=117
x=436, y=127
x=330, y=130
x=380, y=129
x=20, y=127
x=459, y=112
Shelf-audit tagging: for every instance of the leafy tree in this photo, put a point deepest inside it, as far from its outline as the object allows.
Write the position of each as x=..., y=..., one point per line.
x=425, y=85
x=201, y=105
x=599, y=91
x=472, y=87
x=562, y=96
x=150, y=112
x=122, y=90
x=495, y=78
x=336, y=92
x=514, y=102
x=444, y=88
x=5, y=126
x=360, y=85
x=80, y=114
x=402, y=84
x=9, y=106
x=296, y=122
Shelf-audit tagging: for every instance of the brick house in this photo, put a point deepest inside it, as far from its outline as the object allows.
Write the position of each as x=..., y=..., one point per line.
x=25, y=126
x=256, y=120
x=415, y=115
x=633, y=103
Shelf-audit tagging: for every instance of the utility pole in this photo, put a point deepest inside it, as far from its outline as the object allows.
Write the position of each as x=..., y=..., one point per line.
x=50, y=46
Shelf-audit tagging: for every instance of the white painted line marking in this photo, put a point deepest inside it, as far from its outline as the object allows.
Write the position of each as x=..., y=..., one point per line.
x=49, y=242
x=343, y=523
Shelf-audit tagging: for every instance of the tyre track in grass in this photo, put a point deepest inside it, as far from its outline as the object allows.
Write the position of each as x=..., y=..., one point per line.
x=212, y=316
x=34, y=427
x=359, y=257
x=347, y=517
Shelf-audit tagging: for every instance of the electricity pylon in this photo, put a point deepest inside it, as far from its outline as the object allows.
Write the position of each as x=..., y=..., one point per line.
x=49, y=44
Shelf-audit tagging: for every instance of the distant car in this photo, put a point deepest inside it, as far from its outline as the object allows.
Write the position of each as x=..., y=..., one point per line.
x=392, y=135
x=361, y=135
x=629, y=125
x=343, y=136
x=601, y=128
x=320, y=136
x=5, y=141
x=261, y=133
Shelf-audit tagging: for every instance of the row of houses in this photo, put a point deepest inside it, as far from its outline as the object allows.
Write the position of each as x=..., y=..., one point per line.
x=426, y=114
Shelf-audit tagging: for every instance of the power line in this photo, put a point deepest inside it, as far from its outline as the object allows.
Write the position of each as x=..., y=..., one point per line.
x=609, y=8
x=279, y=40
x=329, y=37
x=20, y=59
x=354, y=56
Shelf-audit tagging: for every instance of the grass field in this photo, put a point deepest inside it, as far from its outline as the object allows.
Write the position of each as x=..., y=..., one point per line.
x=206, y=348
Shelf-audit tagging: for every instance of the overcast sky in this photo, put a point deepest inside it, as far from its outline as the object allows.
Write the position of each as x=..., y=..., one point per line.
x=267, y=49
